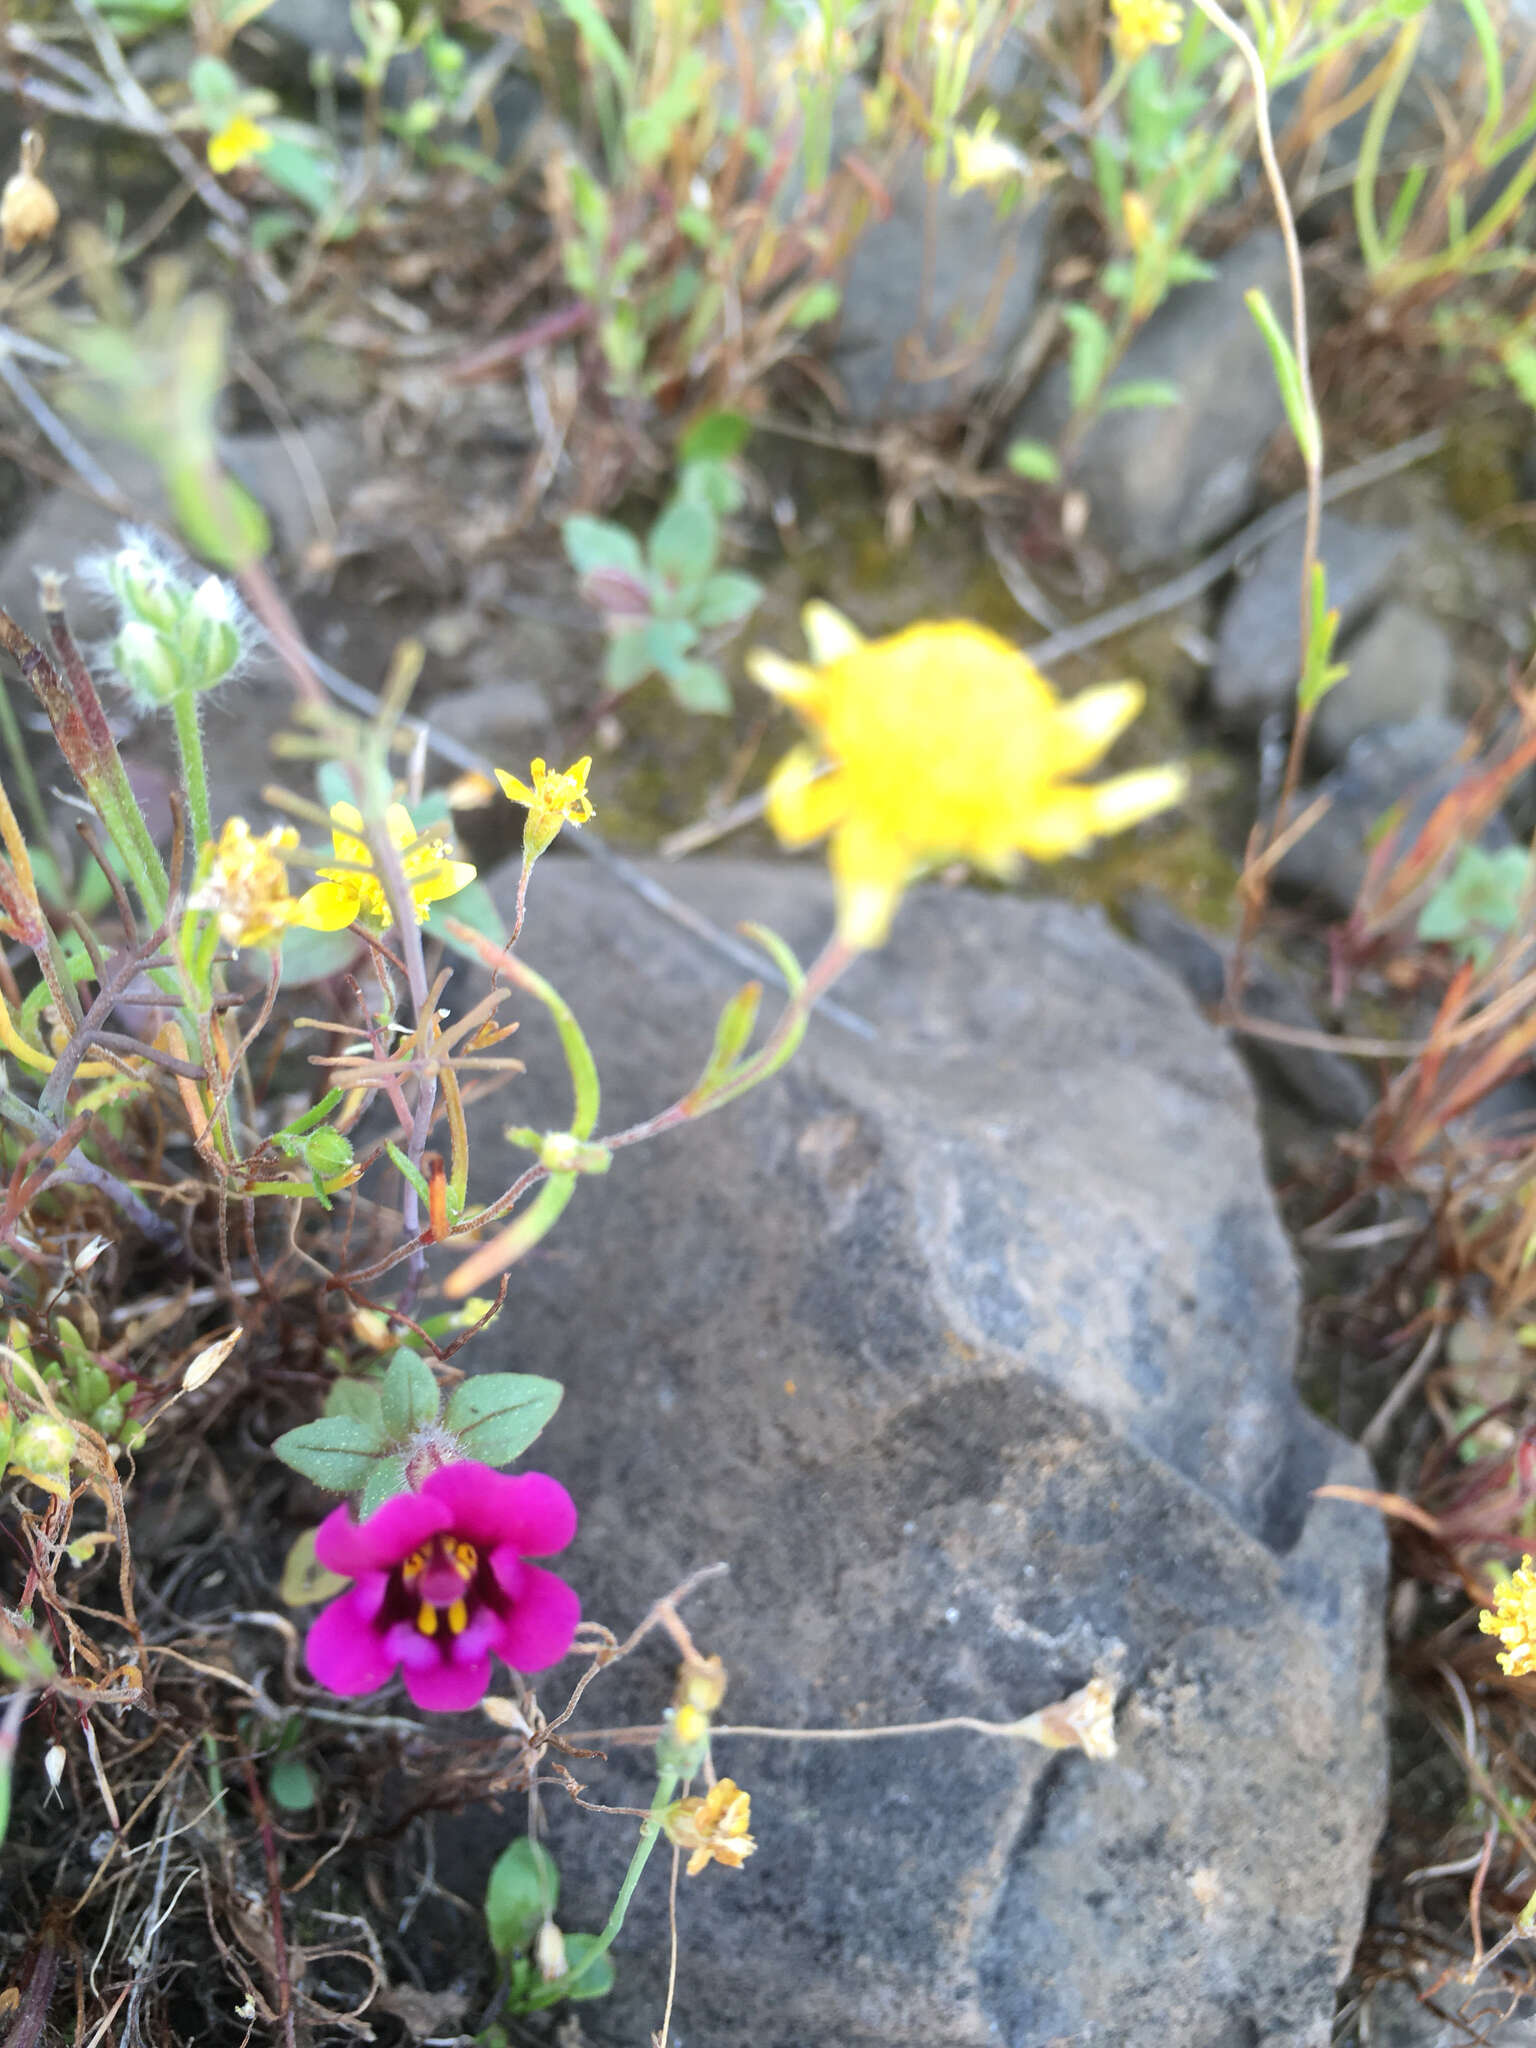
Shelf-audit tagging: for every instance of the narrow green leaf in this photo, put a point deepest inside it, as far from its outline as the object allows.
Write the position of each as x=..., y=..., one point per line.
x=523, y=1893
x=408, y=1172
x=1033, y=459
x=1287, y=374
x=1140, y=394
x=817, y=303
x=602, y=45
x=1088, y=357
x=732, y=1032
x=585, y=1091
x=409, y=1398
x=497, y=1415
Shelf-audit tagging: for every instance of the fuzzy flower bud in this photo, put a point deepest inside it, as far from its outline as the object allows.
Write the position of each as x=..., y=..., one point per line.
x=208, y=636
x=42, y=1451
x=549, y=1953
x=147, y=663
x=146, y=589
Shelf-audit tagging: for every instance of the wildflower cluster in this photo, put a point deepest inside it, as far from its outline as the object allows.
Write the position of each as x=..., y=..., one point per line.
x=1513, y=1620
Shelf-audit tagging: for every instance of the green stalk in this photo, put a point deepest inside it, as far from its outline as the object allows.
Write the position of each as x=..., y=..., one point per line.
x=21, y=761
x=189, y=743
x=650, y=1834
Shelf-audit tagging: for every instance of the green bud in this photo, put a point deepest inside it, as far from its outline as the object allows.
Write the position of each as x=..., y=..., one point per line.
x=145, y=590
x=562, y=1152
x=148, y=663
x=208, y=637
x=109, y=1417
x=42, y=1451
x=327, y=1152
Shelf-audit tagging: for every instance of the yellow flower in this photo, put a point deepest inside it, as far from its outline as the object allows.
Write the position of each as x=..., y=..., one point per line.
x=1513, y=1621
x=1141, y=24
x=946, y=743
x=247, y=884
x=354, y=893
x=553, y=801
x=714, y=1828
x=983, y=158
x=1136, y=218
x=236, y=143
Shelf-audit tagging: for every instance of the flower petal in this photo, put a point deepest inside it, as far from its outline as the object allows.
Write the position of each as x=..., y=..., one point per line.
x=446, y=878
x=327, y=907
x=791, y=680
x=389, y=1534
x=442, y=1687
x=1127, y=799
x=1090, y=723
x=541, y=1627
x=531, y=1512
x=519, y=792
x=828, y=634
x=806, y=798
x=870, y=871
x=343, y=1650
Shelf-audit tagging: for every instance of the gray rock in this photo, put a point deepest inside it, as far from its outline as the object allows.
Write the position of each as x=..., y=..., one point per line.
x=494, y=717
x=971, y=1348
x=984, y=279
x=1401, y=664
x=1397, y=763
x=1332, y=1087
x=1165, y=481
x=1258, y=644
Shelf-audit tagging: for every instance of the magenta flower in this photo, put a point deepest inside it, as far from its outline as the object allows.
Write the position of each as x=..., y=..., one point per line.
x=443, y=1584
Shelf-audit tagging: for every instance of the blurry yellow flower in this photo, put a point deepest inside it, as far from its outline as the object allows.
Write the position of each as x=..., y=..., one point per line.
x=983, y=158
x=247, y=884
x=1136, y=218
x=714, y=1828
x=236, y=143
x=701, y=1685
x=553, y=801
x=945, y=743
x=354, y=893
x=1513, y=1621
x=1141, y=24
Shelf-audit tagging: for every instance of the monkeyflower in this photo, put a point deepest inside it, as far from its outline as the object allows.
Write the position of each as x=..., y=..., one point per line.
x=246, y=886
x=1142, y=24
x=442, y=1583
x=354, y=893
x=553, y=801
x=1513, y=1620
x=236, y=143
x=714, y=1828
x=945, y=743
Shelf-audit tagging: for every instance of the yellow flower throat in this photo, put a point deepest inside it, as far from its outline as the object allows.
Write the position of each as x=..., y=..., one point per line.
x=462, y=1559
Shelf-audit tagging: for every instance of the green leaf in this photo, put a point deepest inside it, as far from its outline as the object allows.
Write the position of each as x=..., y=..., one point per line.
x=699, y=686
x=291, y=1784
x=602, y=45
x=816, y=304
x=1287, y=375
x=599, y=544
x=1185, y=268
x=1033, y=459
x=714, y=484
x=1088, y=358
x=384, y=1482
x=338, y=1452
x=731, y=1035
x=1140, y=394
x=315, y=956
x=684, y=541
x=474, y=906
x=358, y=1401
x=409, y=1397
x=497, y=1415
x=523, y=1893
x=727, y=599
x=595, y=1982
x=407, y=1172
x=715, y=437
x=219, y=518
x=306, y=1582
x=304, y=170
x=628, y=660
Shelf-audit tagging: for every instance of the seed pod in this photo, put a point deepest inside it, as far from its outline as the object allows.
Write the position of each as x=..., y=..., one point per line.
x=28, y=210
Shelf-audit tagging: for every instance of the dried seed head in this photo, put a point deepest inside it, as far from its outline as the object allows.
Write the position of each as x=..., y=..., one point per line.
x=28, y=210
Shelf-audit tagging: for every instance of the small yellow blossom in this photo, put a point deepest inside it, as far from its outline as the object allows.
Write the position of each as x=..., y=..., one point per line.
x=1513, y=1621
x=1136, y=218
x=983, y=158
x=945, y=743
x=1141, y=24
x=28, y=210
x=247, y=884
x=352, y=894
x=236, y=143
x=714, y=1828
x=553, y=801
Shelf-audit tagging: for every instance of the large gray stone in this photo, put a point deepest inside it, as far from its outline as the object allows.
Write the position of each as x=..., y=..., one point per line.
x=1258, y=644
x=1165, y=481
x=981, y=292
x=971, y=1350
x=1401, y=664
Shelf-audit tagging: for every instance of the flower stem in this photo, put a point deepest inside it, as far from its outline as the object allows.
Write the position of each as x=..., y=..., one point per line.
x=650, y=1834
x=189, y=742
